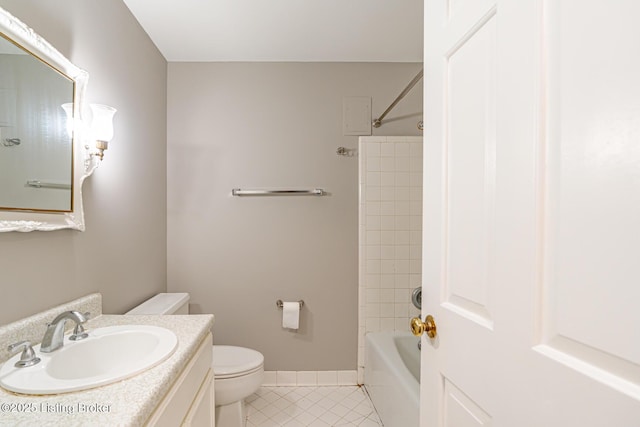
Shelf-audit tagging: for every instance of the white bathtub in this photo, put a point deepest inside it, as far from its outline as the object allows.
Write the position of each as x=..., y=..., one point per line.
x=392, y=377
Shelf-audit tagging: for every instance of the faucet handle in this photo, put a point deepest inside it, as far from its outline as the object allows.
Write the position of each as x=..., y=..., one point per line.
x=79, y=332
x=28, y=356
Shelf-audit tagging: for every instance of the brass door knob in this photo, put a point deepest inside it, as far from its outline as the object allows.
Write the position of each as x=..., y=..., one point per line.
x=418, y=327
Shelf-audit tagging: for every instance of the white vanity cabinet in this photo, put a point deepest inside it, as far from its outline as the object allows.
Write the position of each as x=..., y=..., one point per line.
x=190, y=401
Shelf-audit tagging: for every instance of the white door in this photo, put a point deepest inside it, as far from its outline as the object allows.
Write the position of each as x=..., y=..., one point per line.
x=531, y=263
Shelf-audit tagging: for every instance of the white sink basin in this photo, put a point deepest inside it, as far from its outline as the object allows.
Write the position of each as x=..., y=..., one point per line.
x=108, y=355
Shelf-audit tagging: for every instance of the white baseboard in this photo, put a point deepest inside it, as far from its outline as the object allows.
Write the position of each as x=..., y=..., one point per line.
x=310, y=378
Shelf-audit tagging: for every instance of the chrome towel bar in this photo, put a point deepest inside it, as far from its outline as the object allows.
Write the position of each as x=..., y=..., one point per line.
x=279, y=303
x=38, y=184
x=313, y=192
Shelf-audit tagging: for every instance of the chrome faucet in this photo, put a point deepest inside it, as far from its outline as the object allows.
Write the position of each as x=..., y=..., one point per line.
x=54, y=336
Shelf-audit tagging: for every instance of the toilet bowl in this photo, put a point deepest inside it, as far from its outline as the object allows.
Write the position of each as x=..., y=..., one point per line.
x=238, y=371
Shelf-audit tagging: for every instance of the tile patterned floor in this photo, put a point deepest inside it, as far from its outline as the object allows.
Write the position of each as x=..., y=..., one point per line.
x=311, y=406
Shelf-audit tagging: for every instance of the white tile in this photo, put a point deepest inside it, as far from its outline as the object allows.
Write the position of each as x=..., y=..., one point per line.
x=372, y=148
x=373, y=193
x=387, y=150
x=401, y=310
x=415, y=164
x=387, y=266
x=402, y=164
x=387, y=251
x=415, y=179
x=388, y=324
x=347, y=377
x=403, y=149
x=306, y=418
x=269, y=378
x=286, y=378
x=281, y=418
x=388, y=280
x=387, y=208
x=402, y=252
x=373, y=237
x=373, y=324
x=403, y=179
x=415, y=266
x=373, y=222
x=373, y=178
x=403, y=193
x=402, y=325
x=329, y=417
x=415, y=280
x=388, y=164
x=415, y=207
x=387, y=237
x=373, y=251
x=373, y=164
x=403, y=281
x=387, y=179
x=387, y=223
x=416, y=149
x=387, y=194
x=373, y=266
x=386, y=295
x=401, y=295
x=403, y=222
x=340, y=410
x=403, y=266
x=373, y=295
x=416, y=222
x=402, y=207
x=372, y=280
x=373, y=208
x=401, y=237
x=415, y=253
x=387, y=310
x=306, y=378
x=415, y=193
x=269, y=411
x=327, y=377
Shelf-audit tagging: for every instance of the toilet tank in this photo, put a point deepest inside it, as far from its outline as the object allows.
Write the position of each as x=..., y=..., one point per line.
x=165, y=303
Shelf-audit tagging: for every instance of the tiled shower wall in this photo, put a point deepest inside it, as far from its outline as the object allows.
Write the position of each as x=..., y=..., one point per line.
x=390, y=230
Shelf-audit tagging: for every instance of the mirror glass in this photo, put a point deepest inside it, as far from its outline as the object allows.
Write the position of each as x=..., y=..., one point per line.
x=44, y=156
x=36, y=155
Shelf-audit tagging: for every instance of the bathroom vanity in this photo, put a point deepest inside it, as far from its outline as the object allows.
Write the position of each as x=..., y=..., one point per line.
x=178, y=391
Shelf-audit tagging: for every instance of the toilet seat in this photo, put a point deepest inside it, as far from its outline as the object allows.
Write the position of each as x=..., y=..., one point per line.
x=230, y=361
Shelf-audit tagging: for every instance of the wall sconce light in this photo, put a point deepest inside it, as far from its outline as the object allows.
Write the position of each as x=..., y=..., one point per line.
x=100, y=127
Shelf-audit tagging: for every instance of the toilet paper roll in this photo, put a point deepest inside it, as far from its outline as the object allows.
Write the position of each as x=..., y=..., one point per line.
x=291, y=315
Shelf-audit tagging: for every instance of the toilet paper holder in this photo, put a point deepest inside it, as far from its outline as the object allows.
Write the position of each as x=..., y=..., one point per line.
x=279, y=303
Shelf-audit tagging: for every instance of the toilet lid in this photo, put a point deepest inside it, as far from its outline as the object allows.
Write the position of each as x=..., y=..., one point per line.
x=229, y=361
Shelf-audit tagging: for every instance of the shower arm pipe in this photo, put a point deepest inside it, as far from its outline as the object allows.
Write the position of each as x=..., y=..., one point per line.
x=378, y=122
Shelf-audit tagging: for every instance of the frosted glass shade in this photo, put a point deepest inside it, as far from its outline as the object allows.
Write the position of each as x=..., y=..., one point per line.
x=102, y=122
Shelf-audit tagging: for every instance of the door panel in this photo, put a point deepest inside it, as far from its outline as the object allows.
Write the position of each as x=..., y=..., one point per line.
x=531, y=237
x=590, y=248
x=459, y=214
x=470, y=145
x=460, y=410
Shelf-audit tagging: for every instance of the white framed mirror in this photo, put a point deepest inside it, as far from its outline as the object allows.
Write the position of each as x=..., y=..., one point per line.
x=43, y=155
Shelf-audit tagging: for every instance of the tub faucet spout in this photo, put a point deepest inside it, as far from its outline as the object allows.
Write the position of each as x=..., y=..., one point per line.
x=54, y=336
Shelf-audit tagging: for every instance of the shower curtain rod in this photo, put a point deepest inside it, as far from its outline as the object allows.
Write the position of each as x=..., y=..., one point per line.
x=378, y=122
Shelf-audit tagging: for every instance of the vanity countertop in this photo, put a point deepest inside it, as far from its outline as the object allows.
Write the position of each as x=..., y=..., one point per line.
x=128, y=402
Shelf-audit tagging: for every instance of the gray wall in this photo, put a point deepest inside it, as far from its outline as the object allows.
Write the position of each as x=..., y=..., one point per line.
x=123, y=252
x=273, y=125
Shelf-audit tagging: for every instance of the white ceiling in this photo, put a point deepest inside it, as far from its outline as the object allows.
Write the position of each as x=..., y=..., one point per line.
x=283, y=30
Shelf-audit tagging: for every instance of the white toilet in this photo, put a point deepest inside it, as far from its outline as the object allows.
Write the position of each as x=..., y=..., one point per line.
x=238, y=371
